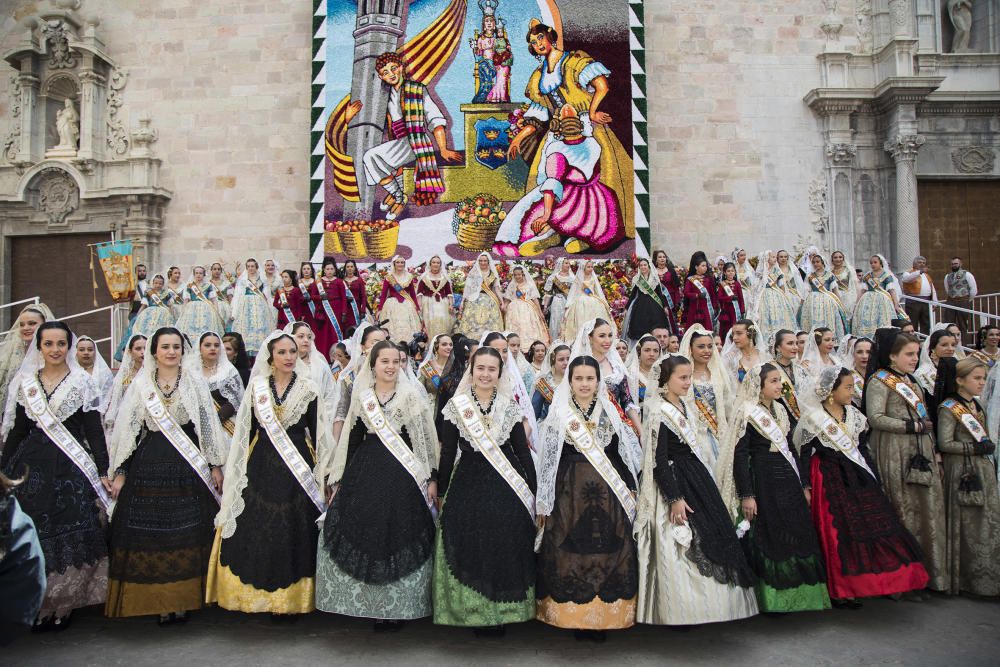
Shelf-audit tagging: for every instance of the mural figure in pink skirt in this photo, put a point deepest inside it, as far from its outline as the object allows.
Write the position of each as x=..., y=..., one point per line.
x=569, y=206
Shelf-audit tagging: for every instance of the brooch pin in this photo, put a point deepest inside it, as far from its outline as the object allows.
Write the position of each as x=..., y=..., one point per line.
x=32, y=392
x=575, y=426
x=683, y=422
x=467, y=414
x=369, y=405
x=831, y=429
x=765, y=422
x=262, y=399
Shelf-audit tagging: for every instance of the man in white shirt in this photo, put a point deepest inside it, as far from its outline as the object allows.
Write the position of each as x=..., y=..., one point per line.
x=918, y=283
x=960, y=288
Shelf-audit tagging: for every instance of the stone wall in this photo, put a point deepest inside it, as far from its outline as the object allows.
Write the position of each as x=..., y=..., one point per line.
x=227, y=87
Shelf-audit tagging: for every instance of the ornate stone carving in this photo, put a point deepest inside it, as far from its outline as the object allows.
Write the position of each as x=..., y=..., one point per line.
x=68, y=126
x=118, y=140
x=817, y=204
x=960, y=13
x=58, y=195
x=143, y=138
x=899, y=11
x=904, y=147
x=832, y=24
x=10, y=144
x=863, y=25
x=57, y=37
x=841, y=155
x=973, y=160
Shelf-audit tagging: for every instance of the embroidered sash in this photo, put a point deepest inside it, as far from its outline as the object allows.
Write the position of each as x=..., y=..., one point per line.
x=859, y=384
x=229, y=424
x=201, y=296
x=876, y=286
x=305, y=295
x=392, y=440
x=285, y=308
x=220, y=292
x=157, y=301
x=648, y=290
x=967, y=418
x=584, y=442
x=768, y=426
x=180, y=440
x=353, y=302
x=904, y=390
x=283, y=444
x=543, y=387
x=820, y=287
x=400, y=290
x=682, y=427
x=328, y=308
x=735, y=301
x=833, y=435
x=706, y=410
x=57, y=432
x=428, y=371
x=560, y=288
x=486, y=446
x=788, y=392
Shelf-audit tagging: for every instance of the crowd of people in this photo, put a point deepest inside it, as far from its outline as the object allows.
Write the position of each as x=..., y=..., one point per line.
x=748, y=438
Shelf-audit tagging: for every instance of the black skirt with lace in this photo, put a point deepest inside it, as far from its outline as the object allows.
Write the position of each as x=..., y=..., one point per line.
x=274, y=544
x=378, y=528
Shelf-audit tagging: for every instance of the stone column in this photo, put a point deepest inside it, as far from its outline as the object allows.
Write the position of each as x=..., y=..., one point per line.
x=30, y=147
x=904, y=148
x=840, y=162
x=91, y=113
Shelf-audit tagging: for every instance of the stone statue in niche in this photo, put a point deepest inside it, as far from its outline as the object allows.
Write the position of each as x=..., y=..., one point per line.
x=960, y=12
x=68, y=127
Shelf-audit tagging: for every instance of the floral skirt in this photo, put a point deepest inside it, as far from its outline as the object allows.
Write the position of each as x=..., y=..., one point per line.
x=255, y=319
x=480, y=315
x=403, y=320
x=196, y=318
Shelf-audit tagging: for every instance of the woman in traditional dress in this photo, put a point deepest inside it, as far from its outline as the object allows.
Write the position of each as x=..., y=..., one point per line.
x=647, y=305
x=435, y=366
x=820, y=353
x=971, y=500
x=781, y=543
x=224, y=382
x=712, y=390
x=730, y=297
x=480, y=310
x=848, y=286
x=793, y=378
x=701, y=304
x=744, y=349
x=574, y=80
x=315, y=363
x=694, y=570
x=667, y=273
x=377, y=544
x=236, y=353
x=135, y=352
x=939, y=345
x=363, y=340
x=557, y=287
x=90, y=360
x=173, y=290
x=989, y=346
x=288, y=299
x=18, y=341
x=329, y=295
x=867, y=550
x=51, y=411
x=536, y=359
x=397, y=304
x=856, y=355
x=902, y=442
x=822, y=306
x=878, y=304
x=253, y=315
x=522, y=311
x=282, y=429
x=639, y=363
x=586, y=302
x=168, y=448
x=223, y=288
x=200, y=312
x=794, y=285
x=310, y=305
x=272, y=275
x=155, y=310
x=524, y=369
x=746, y=275
x=548, y=379
x=991, y=402
x=357, y=299
x=434, y=295
x=587, y=566
x=484, y=569
x=597, y=339
x=773, y=308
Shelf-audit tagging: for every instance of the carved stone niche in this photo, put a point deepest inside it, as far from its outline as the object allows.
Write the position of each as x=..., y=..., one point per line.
x=70, y=148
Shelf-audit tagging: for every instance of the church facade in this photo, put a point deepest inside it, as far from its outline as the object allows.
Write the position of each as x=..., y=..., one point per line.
x=862, y=125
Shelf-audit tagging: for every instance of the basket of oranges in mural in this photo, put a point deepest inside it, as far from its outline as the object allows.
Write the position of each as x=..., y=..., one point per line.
x=363, y=238
x=476, y=222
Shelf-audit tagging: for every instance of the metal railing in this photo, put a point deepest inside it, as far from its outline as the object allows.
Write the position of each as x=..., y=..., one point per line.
x=940, y=310
x=987, y=303
x=112, y=339
x=30, y=299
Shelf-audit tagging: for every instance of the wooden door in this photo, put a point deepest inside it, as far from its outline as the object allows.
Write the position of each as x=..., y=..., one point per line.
x=56, y=267
x=961, y=218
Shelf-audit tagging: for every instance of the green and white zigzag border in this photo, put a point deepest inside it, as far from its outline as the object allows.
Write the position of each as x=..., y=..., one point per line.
x=640, y=150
